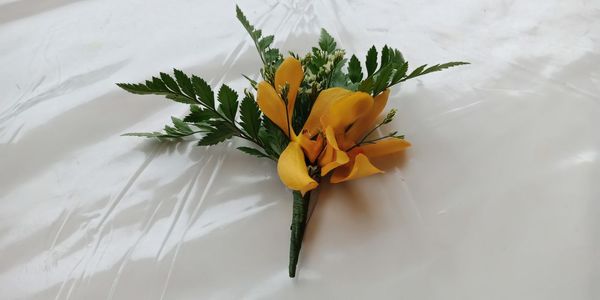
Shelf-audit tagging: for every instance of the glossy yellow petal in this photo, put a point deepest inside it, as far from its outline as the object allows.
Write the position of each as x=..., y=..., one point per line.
x=324, y=101
x=290, y=73
x=346, y=110
x=384, y=147
x=359, y=167
x=271, y=105
x=293, y=171
x=367, y=122
x=311, y=148
x=327, y=156
x=333, y=156
x=330, y=136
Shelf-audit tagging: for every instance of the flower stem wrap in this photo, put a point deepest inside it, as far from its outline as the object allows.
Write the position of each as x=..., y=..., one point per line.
x=299, y=216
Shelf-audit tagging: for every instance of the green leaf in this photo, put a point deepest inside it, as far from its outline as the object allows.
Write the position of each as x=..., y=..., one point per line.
x=294, y=55
x=204, y=92
x=155, y=134
x=301, y=111
x=250, y=116
x=383, y=79
x=398, y=58
x=265, y=42
x=371, y=61
x=272, y=55
x=354, y=69
x=252, y=151
x=170, y=82
x=184, y=83
x=272, y=137
x=326, y=41
x=180, y=98
x=366, y=85
x=401, y=72
x=136, y=88
x=199, y=115
x=440, y=67
x=181, y=126
x=156, y=85
x=179, y=129
x=172, y=131
x=216, y=136
x=222, y=123
x=416, y=72
x=253, y=83
x=422, y=70
x=256, y=34
x=228, y=99
x=242, y=18
x=338, y=77
x=385, y=55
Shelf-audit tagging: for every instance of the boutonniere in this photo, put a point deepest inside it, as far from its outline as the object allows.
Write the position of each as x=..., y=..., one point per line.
x=315, y=115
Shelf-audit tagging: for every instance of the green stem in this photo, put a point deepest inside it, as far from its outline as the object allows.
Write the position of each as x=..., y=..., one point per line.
x=382, y=138
x=299, y=215
x=365, y=137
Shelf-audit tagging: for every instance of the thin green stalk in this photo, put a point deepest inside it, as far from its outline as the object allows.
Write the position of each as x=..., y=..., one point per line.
x=365, y=137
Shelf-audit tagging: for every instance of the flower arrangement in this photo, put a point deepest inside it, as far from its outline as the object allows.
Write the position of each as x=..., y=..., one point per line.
x=314, y=115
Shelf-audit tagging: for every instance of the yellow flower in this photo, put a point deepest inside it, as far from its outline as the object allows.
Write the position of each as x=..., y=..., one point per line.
x=291, y=165
x=343, y=155
x=343, y=116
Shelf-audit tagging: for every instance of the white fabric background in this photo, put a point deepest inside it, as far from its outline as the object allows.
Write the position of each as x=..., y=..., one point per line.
x=498, y=198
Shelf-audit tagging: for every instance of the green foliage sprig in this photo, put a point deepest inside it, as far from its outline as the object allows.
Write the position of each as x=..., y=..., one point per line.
x=325, y=66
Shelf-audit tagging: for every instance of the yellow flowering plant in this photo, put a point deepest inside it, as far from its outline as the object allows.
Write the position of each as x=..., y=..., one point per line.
x=315, y=115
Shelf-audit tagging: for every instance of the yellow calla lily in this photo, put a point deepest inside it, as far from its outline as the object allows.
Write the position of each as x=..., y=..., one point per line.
x=342, y=116
x=337, y=109
x=333, y=157
x=322, y=105
x=368, y=120
x=384, y=147
x=289, y=73
x=291, y=164
x=270, y=100
x=360, y=165
x=345, y=110
x=347, y=117
x=312, y=148
x=271, y=104
x=293, y=171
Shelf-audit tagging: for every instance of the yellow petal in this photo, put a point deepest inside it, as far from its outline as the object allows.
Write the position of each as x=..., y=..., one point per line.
x=290, y=73
x=333, y=156
x=271, y=105
x=366, y=122
x=327, y=156
x=324, y=101
x=359, y=167
x=384, y=147
x=312, y=148
x=292, y=169
x=346, y=110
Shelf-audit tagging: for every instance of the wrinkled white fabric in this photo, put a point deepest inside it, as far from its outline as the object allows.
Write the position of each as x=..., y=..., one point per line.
x=497, y=199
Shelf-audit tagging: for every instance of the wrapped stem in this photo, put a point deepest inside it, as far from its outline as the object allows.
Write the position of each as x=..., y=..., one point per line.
x=299, y=216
